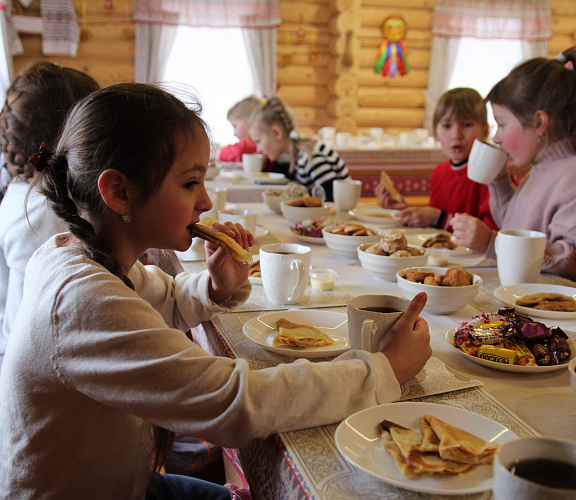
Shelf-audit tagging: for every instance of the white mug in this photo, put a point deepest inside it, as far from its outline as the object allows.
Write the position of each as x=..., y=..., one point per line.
x=486, y=162
x=370, y=317
x=285, y=269
x=514, y=454
x=376, y=133
x=519, y=255
x=346, y=193
x=327, y=133
x=343, y=140
x=248, y=218
x=406, y=140
x=252, y=163
x=218, y=197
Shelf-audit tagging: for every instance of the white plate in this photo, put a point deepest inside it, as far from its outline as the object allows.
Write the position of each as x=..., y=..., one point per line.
x=509, y=294
x=311, y=240
x=456, y=252
x=268, y=178
x=263, y=329
x=513, y=368
x=358, y=439
x=260, y=232
x=364, y=212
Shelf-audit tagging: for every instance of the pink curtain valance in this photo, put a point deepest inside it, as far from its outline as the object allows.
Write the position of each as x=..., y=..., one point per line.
x=510, y=19
x=212, y=13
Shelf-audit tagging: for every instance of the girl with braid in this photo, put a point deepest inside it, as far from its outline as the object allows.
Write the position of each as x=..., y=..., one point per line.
x=535, y=110
x=312, y=163
x=98, y=373
x=35, y=108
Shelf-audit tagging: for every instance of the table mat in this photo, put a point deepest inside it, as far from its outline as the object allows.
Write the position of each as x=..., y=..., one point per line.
x=317, y=471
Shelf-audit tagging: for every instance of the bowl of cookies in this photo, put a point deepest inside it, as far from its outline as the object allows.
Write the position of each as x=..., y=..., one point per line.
x=389, y=254
x=344, y=238
x=303, y=208
x=448, y=289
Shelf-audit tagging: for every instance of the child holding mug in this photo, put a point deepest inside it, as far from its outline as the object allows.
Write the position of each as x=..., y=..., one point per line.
x=459, y=118
x=535, y=109
x=98, y=356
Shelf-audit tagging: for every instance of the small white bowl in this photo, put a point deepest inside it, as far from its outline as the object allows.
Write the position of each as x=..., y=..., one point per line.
x=386, y=266
x=211, y=172
x=348, y=245
x=572, y=370
x=441, y=299
x=296, y=214
x=322, y=278
x=273, y=202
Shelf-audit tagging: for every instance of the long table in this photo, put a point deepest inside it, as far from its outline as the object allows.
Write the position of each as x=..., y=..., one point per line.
x=306, y=464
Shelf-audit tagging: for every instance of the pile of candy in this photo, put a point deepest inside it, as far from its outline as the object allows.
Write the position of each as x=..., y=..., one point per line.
x=312, y=228
x=507, y=337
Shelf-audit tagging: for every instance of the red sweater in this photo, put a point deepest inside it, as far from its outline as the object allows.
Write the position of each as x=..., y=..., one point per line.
x=453, y=192
x=234, y=152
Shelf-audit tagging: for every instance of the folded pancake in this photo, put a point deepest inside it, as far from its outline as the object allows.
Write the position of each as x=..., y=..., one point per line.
x=548, y=302
x=295, y=335
x=230, y=245
x=403, y=465
x=459, y=445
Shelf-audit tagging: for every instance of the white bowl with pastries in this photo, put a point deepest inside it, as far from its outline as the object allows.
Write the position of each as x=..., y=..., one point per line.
x=212, y=171
x=448, y=289
x=344, y=238
x=303, y=208
x=272, y=198
x=390, y=253
x=572, y=370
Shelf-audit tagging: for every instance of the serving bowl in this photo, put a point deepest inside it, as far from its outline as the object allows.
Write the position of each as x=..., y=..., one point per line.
x=572, y=370
x=347, y=245
x=273, y=201
x=296, y=214
x=441, y=299
x=212, y=171
x=386, y=266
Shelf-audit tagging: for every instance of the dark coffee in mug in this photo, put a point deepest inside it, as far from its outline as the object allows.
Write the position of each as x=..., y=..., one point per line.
x=547, y=472
x=380, y=309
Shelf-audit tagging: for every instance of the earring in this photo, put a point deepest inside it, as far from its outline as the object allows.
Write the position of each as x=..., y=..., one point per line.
x=127, y=218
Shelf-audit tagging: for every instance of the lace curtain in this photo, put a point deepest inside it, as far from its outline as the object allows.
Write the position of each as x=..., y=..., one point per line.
x=156, y=21
x=526, y=20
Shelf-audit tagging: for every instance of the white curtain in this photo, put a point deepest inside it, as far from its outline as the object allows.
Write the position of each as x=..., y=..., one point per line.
x=261, y=49
x=153, y=43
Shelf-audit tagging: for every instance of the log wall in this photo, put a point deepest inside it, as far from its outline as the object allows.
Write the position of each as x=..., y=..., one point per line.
x=326, y=55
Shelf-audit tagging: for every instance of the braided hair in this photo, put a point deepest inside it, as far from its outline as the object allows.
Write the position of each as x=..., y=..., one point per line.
x=36, y=105
x=132, y=128
x=541, y=84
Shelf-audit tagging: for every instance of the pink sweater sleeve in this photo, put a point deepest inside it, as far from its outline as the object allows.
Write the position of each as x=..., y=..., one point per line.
x=234, y=152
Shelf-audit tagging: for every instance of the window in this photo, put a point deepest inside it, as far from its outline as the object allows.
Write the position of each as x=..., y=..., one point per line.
x=213, y=61
x=481, y=63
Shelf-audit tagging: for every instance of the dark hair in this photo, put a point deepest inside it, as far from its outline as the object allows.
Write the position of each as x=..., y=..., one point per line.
x=540, y=84
x=36, y=105
x=132, y=128
x=461, y=102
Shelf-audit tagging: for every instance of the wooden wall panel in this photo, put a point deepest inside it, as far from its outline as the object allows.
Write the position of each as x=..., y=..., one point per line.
x=312, y=78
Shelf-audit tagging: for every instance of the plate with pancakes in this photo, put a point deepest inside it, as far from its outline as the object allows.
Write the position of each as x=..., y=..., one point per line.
x=361, y=441
x=374, y=214
x=538, y=299
x=300, y=333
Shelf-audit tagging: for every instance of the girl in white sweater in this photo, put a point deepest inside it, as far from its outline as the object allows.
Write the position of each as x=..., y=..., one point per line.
x=98, y=373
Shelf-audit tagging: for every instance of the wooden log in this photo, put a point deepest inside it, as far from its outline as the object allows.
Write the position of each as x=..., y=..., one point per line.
x=405, y=4
x=564, y=25
x=342, y=106
x=371, y=97
x=559, y=43
x=300, y=75
x=414, y=18
x=341, y=5
x=398, y=117
x=413, y=35
x=346, y=124
x=336, y=67
x=342, y=22
x=563, y=8
x=417, y=79
x=305, y=12
x=303, y=95
x=343, y=85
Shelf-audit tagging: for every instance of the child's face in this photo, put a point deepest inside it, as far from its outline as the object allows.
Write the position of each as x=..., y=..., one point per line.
x=520, y=142
x=456, y=136
x=240, y=127
x=270, y=143
x=181, y=199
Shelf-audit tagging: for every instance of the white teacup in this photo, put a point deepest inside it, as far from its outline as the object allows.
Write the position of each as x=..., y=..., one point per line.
x=370, y=317
x=519, y=254
x=535, y=485
x=327, y=133
x=343, y=140
x=376, y=133
x=486, y=162
x=218, y=197
x=346, y=193
x=248, y=218
x=252, y=163
x=285, y=269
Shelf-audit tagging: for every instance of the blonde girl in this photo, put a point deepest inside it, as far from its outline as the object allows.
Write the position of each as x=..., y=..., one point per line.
x=238, y=116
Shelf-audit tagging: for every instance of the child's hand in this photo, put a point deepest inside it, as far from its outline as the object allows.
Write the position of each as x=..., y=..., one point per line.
x=419, y=216
x=407, y=343
x=384, y=199
x=470, y=232
x=227, y=274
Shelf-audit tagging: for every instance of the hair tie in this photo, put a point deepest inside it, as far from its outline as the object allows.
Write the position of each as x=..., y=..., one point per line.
x=42, y=158
x=293, y=135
